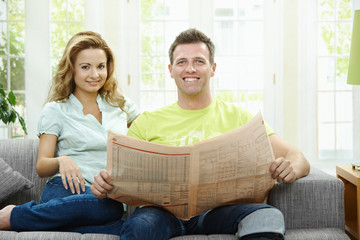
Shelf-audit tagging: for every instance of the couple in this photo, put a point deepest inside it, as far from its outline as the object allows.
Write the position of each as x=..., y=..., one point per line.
x=84, y=104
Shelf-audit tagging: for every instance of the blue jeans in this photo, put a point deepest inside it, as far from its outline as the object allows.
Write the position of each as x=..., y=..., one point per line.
x=154, y=223
x=61, y=210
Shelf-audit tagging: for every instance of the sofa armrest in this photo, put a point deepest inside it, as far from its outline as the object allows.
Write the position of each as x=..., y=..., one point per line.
x=314, y=201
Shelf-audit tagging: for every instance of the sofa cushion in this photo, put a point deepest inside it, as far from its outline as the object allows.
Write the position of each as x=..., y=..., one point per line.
x=316, y=233
x=11, y=181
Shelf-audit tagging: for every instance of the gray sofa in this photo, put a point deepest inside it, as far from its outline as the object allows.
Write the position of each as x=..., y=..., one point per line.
x=313, y=206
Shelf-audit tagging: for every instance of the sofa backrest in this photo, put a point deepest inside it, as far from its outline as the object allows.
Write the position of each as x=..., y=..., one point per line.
x=21, y=155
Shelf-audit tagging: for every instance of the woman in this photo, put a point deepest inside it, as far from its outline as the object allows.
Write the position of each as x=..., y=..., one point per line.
x=83, y=104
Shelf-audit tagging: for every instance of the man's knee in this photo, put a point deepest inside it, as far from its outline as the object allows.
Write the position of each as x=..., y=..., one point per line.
x=263, y=236
x=266, y=220
x=149, y=223
x=147, y=217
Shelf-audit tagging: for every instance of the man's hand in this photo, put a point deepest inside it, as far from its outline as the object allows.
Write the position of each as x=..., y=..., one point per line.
x=101, y=185
x=290, y=164
x=282, y=171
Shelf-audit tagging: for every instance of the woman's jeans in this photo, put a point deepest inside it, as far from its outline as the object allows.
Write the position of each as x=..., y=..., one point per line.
x=61, y=210
x=154, y=223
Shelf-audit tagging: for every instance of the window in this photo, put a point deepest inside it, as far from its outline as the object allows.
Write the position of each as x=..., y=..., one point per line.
x=335, y=116
x=239, y=38
x=237, y=28
x=243, y=31
x=328, y=117
x=66, y=19
x=12, y=59
x=160, y=22
x=59, y=20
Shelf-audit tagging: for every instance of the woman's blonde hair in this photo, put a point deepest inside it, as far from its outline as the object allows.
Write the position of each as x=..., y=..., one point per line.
x=63, y=83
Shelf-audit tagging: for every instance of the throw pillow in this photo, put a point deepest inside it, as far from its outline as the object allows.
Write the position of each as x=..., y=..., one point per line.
x=11, y=181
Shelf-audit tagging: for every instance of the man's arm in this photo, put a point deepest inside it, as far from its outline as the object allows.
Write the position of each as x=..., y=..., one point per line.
x=290, y=164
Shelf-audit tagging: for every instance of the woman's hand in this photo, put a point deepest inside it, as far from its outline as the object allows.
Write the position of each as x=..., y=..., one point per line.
x=48, y=165
x=70, y=174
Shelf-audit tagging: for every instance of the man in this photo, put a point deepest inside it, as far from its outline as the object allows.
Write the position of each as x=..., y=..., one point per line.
x=195, y=117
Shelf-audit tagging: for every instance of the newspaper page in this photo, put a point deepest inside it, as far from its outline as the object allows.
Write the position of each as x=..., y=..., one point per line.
x=189, y=180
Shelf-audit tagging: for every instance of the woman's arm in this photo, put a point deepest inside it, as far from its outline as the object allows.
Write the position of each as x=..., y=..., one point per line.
x=48, y=165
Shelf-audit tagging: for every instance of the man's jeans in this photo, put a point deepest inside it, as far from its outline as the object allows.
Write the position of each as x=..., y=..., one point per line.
x=154, y=223
x=61, y=210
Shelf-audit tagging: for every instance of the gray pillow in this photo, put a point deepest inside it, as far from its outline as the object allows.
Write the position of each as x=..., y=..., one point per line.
x=11, y=181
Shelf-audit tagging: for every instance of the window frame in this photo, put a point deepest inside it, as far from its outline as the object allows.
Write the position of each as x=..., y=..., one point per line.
x=122, y=15
x=7, y=130
x=273, y=98
x=307, y=90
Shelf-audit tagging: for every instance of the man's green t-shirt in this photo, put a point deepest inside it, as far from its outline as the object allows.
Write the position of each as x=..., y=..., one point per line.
x=174, y=126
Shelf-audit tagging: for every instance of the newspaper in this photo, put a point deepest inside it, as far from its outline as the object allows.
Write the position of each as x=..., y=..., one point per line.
x=189, y=180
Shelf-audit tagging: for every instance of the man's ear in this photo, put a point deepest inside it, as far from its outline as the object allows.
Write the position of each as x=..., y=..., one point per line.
x=213, y=68
x=170, y=70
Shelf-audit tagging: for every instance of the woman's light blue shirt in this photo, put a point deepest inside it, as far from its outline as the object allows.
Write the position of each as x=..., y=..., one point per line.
x=82, y=137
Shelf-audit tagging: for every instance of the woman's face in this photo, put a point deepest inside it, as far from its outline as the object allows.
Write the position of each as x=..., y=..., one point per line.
x=90, y=71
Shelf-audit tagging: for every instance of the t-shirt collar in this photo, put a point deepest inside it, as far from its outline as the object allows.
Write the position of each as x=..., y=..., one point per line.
x=211, y=105
x=77, y=104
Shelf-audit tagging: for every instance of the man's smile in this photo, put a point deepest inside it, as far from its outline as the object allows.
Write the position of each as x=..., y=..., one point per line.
x=190, y=79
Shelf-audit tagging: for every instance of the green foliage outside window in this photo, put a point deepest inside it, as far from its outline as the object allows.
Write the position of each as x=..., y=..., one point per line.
x=335, y=123
x=66, y=19
x=339, y=10
x=152, y=45
x=12, y=49
x=12, y=64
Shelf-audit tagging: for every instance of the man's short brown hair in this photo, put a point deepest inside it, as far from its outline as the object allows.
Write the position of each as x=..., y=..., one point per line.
x=192, y=35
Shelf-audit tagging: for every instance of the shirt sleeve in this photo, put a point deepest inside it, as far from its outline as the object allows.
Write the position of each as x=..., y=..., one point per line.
x=136, y=129
x=269, y=130
x=132, y=109
x=50, y=120
x=247, y=115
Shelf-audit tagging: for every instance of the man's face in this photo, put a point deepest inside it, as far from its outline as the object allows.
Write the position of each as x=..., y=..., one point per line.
x=191, y=69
